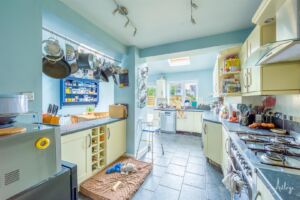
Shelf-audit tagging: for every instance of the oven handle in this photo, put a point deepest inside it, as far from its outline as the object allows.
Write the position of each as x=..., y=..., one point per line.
x=257, y=195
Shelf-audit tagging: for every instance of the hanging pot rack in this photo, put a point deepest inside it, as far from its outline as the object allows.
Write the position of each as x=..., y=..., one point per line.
x=81, y=45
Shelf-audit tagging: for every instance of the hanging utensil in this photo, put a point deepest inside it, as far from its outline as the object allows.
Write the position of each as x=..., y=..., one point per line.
x=59, y=70
x=71, y=58
x=86, y=61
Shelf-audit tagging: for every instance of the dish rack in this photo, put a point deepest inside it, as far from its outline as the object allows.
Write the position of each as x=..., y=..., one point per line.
x=98, y=148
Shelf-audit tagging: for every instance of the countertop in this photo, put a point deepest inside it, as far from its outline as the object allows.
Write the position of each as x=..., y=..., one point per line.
x=185, y=110
x=277, y=179
x=72, y=128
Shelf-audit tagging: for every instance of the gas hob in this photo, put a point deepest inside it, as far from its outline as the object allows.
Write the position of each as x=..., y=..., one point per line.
x=275, y=150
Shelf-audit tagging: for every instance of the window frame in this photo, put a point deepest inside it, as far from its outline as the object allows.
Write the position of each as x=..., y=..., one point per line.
x=182, y=83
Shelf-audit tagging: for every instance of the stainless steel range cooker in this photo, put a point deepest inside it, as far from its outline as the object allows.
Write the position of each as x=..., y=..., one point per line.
x=275, y=150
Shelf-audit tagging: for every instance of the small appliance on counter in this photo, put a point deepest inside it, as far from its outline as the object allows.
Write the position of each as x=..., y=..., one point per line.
x=28, y=158
x=10, y=107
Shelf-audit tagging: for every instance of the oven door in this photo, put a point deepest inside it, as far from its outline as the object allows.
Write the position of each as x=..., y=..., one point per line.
x=238, y=165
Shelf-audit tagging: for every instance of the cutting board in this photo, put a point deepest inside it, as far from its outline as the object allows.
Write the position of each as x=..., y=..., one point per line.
x=12, y=130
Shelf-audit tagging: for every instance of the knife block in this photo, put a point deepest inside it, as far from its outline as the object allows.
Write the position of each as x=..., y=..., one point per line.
x=49, y=119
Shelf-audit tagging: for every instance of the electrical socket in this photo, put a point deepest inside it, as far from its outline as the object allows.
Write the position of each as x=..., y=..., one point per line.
x=30, y=95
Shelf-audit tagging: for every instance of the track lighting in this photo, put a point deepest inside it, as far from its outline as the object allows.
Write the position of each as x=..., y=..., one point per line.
x=194, y=6
x=123, y=11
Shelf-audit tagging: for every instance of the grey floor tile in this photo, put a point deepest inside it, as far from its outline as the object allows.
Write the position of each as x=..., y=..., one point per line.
x=165, y=193
x=195, y=169
x=179, y=160
x=194, y=180
x=192, y=193
x=195, y=160
x=143, y=194
x=158, y=170
x=162, y=161
x=151, y=183
x=176, y=170
x=171, y=181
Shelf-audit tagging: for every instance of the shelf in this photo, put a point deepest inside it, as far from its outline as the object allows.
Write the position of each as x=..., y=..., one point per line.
x=230, y=73
x=80, y=94
x=76, y=91
x=231, y=94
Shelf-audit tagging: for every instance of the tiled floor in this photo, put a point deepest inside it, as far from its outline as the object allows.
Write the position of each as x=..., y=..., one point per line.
x=182, y=173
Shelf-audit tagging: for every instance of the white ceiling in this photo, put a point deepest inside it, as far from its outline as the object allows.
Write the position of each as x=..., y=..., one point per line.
x=166, y=21
x=200, y=60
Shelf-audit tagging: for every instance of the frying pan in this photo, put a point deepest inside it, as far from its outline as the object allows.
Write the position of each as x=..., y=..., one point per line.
x=59, y=70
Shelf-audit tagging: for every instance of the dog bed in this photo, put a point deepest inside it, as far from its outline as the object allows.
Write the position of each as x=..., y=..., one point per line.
x=99, y=186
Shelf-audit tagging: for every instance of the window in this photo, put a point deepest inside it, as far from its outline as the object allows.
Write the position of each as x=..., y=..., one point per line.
x=151, y=93
x=181, y=91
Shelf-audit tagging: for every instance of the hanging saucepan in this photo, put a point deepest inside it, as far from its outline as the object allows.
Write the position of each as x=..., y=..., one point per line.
x=86, y=61
x=71, y=58
x=54, y=64
x=100, y=75
x=59, y=69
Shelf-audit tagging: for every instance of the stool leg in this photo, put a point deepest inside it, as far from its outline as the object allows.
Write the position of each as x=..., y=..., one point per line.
x=152, y=146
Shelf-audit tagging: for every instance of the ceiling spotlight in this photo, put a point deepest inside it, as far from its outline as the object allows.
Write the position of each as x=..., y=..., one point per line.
x=194, y=6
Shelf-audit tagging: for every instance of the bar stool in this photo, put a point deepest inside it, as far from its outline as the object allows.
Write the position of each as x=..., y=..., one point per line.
x=147, y=128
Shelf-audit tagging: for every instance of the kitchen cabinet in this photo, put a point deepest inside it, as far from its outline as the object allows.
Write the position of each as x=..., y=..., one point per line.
x=260, y=36
x=268, y=79
x=161, y=86
x=189, y=122
x=76, y=148
x=262, y=191
x=212, y=141
x=225, y=151
x=266, y=10
x=116, y=141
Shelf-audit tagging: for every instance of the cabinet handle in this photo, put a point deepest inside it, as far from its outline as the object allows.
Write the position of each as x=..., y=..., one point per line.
x=258, y=194
x=250, y=77
x=108, y=133
x=226, y=146
x=90, y=140
x=204, y=129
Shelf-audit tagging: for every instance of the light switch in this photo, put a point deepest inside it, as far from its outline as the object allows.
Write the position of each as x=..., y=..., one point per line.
x=30, y=95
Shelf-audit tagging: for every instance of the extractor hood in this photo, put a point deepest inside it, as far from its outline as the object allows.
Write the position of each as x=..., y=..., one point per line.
x=287, y=47
x=282, y=51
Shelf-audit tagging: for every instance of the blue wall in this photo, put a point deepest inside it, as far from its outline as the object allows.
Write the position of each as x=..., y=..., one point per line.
x=20, y=49
x=204, y=78
x=198, y=43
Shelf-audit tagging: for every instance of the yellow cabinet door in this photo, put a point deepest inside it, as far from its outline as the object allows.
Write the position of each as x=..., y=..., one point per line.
x=225, y=150
x=254, y=79
x=116, y=141
x=254, y=40
x=197, y=122
x=262, y=191
x=189, y=125
x=76, y=148
x=180, y=123
x=214, y=141
x=281, y=76
x=244, y=80
x=243, y=55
